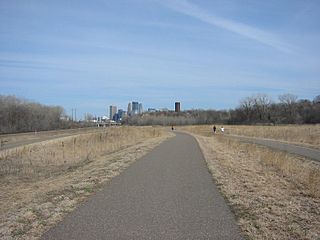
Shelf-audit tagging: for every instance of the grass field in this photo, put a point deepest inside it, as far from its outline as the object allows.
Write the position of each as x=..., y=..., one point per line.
x=307, y=135
x=48, y=157
x=42, y=182
x=274, y=195
x=7, y=139
x=297, y=134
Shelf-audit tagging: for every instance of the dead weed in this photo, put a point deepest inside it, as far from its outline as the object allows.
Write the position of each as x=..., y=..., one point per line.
x=274, y=195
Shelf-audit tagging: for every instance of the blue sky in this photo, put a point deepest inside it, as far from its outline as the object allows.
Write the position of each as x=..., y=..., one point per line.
x=205, y=53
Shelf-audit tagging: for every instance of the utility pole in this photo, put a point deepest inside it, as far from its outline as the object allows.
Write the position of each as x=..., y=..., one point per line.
x=75, y=114
x=72, y=114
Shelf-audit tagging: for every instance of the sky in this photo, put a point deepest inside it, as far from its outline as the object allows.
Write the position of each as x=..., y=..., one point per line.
x=207, y=54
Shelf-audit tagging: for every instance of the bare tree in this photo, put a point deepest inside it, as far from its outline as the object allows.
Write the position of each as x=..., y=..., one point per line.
x=255, y=108
x=289, y=105
x=262, y=104
x=19, y=115
x=288, y=99
x=88, y=117
x=247, y=108
x=316, y=99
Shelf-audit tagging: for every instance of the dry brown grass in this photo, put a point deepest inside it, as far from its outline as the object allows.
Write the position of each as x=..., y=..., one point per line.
x=301, y=171
x=6, y=139
x=48, y=157
x=37, y=194
x=298, y=134
x=273, y=194
x=308, y=135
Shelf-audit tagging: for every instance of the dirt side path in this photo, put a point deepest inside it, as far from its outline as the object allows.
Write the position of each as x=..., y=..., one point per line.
x=168, y=194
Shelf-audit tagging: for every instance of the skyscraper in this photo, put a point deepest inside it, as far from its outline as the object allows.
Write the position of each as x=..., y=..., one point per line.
x=140, y=111
x=135, y=107
x=177, y=106
x=113, y=111
x=120, y=115
x=129, y=108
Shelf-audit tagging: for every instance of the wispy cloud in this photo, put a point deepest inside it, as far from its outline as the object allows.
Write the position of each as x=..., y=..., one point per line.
x=261, y=36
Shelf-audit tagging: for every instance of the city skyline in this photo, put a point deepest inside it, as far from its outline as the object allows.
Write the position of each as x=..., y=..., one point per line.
x=117, y=114
x=207, y=54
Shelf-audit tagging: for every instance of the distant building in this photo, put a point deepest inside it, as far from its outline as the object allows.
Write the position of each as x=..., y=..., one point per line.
x=164, y=110
x=113, y=111
x=177, y=106
x=150, y=110
x=129, y=108
x=135, y=108
x=120, y=115
x=140, y=110
x=104, y=118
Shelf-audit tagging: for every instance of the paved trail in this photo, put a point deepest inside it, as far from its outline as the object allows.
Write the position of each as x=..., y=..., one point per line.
x=168, y=194
x=311, y=153
x=9, y=141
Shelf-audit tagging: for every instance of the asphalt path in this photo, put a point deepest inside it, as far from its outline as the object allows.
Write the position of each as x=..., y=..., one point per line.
x=168, y=194
x=20, y=143
x=311, y=153
x=23, y=139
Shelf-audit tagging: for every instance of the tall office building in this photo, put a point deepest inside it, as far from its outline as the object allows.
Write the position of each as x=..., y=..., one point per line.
x=140, y=111
x=129, y=108
x=177, y=106
x=120, y=115
x=135, y=107
x=113, y=111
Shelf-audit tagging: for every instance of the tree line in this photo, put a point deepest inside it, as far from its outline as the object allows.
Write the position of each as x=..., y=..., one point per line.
x=20, y=115
x=256, y=109
x=260, y=108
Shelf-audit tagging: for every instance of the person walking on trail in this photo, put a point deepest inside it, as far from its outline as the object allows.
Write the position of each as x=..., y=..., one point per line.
x=222, y=129
x=214, y=129
x=172, y=128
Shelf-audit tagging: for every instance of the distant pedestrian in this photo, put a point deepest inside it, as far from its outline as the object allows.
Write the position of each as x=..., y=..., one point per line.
x=214, y=129
x=222, y=129
x=172, y=128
